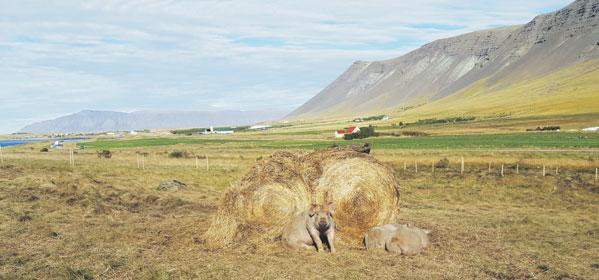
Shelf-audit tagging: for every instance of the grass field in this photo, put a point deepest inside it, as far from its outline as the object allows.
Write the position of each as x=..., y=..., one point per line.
x=106, y=219
x=486, y=141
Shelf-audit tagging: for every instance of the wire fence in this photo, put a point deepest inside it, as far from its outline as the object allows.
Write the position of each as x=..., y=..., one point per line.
x=430, y=166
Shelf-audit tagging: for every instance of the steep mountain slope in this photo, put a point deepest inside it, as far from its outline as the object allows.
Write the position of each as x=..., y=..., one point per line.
x=492, y=59
x=97, y=121
x=571, y=90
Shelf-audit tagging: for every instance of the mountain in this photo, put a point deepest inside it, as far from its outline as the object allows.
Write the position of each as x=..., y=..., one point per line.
x=98, y=121
x=549, y=65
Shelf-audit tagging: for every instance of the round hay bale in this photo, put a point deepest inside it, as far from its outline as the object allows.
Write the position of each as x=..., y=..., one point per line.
x=366, y=194
x=365, y=191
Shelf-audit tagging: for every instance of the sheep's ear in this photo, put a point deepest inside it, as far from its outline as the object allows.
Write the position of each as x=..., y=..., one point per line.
x=331, y=207
x=427, y=231
x=314, y=208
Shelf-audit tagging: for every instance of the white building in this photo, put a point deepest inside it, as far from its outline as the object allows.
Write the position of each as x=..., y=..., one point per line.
x=212, y=131
x=57, y=144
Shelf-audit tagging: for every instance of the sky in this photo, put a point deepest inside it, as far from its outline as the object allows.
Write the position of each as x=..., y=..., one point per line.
x=60, y=57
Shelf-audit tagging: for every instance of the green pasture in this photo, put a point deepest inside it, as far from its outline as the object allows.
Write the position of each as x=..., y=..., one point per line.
x=531, y=140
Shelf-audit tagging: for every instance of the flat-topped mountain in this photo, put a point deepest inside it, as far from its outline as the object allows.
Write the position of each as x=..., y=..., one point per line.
x=527, y=69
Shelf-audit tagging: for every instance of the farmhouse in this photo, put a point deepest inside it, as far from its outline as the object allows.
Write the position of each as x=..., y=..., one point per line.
x=211, y=130
x=349, y=130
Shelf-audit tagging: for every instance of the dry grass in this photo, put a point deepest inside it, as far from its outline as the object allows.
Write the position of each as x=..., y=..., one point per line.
x=105, y=219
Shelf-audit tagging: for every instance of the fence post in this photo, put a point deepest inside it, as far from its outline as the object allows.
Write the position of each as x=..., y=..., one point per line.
x=71, y=158
x=207, y=162
x=143, y=162
x=462, y=171
x=197, y=164
x=1, y=156
x=415, y=166
x=543, y=170
x=433, y=167
x=517, y=168
x=502, y=170
x=137, y=154
x=596, y=173
x=489, y=168
x=556, y=170
x=405, y=166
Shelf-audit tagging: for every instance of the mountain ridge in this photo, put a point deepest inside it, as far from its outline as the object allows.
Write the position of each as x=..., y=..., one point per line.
x=100, y=121
x=442, y=68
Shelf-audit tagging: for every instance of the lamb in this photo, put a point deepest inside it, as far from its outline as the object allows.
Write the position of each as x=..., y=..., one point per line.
x=399, y=239
x=307, y=229
x=408, y=240
x=377, y=237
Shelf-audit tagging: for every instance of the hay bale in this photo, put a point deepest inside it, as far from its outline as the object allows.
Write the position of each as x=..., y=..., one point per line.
x=365, y=191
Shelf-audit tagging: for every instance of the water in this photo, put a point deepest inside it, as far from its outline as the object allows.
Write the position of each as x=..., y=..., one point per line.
x=13, y=142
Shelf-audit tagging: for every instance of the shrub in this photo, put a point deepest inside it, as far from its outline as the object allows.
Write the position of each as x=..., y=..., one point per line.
x=413, y=133
x=105, y=154
x=545, y=128
x=446, y=120
x=443, y=163
x=44, y=150
x=177, y=154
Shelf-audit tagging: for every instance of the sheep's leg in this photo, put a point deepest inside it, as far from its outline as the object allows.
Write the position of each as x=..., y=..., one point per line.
x=393, y=248
x=298, y=245
x=331, y=240
x=315, y=234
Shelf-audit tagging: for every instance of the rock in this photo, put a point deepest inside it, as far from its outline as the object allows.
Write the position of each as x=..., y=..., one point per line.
x=171, y=185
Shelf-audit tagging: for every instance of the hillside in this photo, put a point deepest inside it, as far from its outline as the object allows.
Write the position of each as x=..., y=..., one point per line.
x=97, y=121
x=507, y=66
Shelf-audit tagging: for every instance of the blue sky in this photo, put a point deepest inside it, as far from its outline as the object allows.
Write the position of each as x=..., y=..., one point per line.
x=60, y=57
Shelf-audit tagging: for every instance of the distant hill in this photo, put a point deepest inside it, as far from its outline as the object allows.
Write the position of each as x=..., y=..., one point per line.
x=98, y=121
x=547, y=66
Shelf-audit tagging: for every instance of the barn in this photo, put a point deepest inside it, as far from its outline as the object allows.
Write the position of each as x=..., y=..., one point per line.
x=349, y=130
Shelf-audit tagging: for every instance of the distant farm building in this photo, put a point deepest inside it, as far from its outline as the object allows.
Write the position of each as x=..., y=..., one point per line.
x=57, y=144
x=211, y=130
x=352, y=129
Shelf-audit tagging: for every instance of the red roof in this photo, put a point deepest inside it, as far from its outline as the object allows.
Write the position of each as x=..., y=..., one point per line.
x=348, y=130
x=351, y=129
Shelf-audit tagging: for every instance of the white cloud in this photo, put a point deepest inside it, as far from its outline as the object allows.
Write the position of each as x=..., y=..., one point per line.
x=250, y=54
